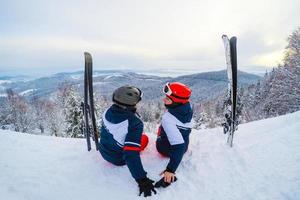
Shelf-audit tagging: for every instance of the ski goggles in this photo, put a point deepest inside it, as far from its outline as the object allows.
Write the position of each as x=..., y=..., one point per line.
x=167, y=90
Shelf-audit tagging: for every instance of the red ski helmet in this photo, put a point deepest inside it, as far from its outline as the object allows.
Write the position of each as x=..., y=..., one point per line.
x=177, y=92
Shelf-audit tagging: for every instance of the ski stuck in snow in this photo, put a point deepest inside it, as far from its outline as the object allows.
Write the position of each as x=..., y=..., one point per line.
x=89, y=120
x=231, y=122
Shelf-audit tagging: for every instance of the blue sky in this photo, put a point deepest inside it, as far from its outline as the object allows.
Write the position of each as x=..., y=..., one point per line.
x=41, y=37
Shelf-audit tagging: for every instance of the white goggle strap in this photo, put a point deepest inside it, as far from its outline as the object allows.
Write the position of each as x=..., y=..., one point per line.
x=167, y=90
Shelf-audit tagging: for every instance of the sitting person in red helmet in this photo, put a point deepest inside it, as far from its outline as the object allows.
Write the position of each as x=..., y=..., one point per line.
x=173, y=134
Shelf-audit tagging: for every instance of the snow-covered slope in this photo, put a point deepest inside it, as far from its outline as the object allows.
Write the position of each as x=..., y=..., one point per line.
x=263, y=164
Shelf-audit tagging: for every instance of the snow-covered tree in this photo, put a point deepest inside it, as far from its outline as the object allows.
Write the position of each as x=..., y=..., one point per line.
x=19, y=112
x=55, y=119
x=40, y=109
x=70, y=102
x=292, y=50
x=4, y=112
x=284, y=92
x=151, y=113
x=73, y=115
x=199, y=116
x=278, y=92
x=101, y=103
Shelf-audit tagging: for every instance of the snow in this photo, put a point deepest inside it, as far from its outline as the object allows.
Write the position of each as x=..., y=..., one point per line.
x=27, y=92
x=4, y=81
x=264, y=163
x=112, y=76
x=99, y=83
x=76, y=76
x=2, y=88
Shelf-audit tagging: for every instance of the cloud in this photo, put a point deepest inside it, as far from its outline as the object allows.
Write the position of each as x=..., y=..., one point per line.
x=143, y=34
x=269, y=59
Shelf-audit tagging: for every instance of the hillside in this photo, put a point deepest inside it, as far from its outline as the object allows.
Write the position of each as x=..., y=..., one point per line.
x=263, y=164
x=205, y=85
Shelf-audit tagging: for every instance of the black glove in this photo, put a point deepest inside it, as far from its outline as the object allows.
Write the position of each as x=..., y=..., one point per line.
x=146, y=186
x=162, y=183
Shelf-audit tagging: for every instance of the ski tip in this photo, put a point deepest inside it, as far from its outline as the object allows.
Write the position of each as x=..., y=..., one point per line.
x=87, y=57
x=87, y=54
x=224, y=36
x=233, y=38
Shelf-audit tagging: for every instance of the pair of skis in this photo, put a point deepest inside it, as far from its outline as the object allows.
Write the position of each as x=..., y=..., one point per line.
x=230, y=124
x=89, y=119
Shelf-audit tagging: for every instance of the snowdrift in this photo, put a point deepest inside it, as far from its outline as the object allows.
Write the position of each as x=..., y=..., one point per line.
x=264, y=163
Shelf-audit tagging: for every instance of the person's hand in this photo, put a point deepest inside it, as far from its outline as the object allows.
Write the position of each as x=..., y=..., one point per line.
x=162, y=183
x=169, y=177
x=146, y=186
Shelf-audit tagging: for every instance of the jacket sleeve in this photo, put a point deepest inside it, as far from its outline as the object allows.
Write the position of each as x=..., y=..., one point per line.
x=176, y=155
x=176, y=141
x=131, y=150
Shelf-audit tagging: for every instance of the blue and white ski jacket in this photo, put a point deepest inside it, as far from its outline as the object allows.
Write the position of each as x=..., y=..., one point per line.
x=173, y=136
x=120, y=139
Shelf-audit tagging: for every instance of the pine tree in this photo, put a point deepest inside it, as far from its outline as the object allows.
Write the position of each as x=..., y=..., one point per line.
x=73, y=114
x=292, y=50
x=68, y=105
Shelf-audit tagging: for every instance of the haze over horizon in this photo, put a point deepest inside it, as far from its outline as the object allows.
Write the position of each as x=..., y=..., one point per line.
x=42, y=37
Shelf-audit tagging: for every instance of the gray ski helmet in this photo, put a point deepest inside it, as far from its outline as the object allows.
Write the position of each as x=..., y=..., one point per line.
x=127, y=95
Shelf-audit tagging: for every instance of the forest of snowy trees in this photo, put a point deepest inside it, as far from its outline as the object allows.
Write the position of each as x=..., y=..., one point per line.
x=61, y=115
x=277, y=93
x=58, y=116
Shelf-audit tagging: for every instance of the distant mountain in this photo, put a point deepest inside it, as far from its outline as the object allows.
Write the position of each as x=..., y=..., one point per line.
x=211, y=84
x=204, y=85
